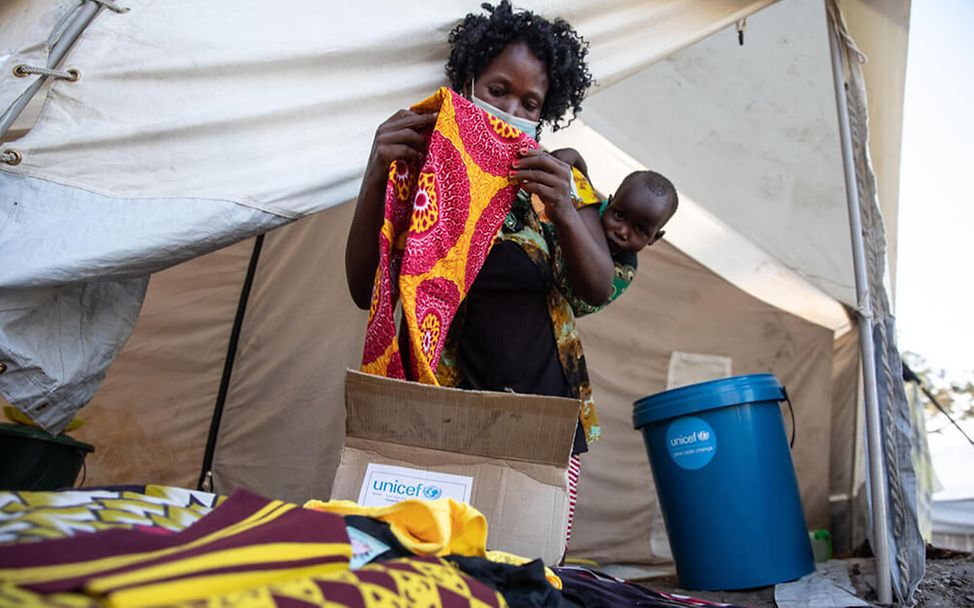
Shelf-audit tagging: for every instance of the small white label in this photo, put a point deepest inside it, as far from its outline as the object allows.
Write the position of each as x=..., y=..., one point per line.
x=365, y=548
x=386, y=484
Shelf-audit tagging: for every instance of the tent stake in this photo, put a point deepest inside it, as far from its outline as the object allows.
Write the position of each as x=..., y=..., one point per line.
x=875, y=460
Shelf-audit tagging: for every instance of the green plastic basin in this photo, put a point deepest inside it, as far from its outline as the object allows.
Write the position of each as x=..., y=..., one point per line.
x=33, y=459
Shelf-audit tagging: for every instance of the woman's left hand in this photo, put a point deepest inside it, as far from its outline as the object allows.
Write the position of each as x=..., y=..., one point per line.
x=540, y=173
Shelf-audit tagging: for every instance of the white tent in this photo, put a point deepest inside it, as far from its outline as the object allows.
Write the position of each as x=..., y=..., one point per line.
x=155, y=157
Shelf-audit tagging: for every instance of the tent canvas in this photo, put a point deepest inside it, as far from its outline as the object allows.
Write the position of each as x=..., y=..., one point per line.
x=282, y=421
x=261, y=377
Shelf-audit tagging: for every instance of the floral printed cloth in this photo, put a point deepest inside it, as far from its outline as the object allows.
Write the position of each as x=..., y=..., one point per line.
x=440, y=222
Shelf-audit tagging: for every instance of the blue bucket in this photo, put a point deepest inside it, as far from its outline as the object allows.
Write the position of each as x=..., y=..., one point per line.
x=725, y=482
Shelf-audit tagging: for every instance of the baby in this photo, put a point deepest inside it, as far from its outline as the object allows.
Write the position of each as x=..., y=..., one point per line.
x=633, y=219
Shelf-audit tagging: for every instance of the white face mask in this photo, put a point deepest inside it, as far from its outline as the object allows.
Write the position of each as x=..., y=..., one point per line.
x=530, y=127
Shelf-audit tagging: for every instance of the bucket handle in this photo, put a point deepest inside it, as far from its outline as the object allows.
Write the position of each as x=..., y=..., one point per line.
x=794, y=426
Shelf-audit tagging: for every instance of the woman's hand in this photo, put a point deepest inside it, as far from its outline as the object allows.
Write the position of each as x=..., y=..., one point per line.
x=579, y=232
x=540, y=173
x=402, y=137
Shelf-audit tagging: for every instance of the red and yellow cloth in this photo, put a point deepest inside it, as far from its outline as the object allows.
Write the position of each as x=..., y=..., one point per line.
x=440, y=222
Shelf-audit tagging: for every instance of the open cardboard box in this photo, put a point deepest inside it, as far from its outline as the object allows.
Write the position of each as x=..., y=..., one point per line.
x=507, y=452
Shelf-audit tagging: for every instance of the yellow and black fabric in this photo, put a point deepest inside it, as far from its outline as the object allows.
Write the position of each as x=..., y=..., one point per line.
x=425, y=527
x=248, y=551
x=33, y=516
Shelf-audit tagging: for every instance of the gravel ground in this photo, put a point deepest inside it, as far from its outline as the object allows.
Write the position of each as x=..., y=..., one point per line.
x=948, y=583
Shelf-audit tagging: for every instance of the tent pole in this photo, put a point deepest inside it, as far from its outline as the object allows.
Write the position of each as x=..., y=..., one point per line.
x=877, y=472
x=206, y=471
x=71, y=33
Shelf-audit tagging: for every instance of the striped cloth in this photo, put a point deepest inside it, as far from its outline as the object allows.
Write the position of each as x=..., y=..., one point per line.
x=574, y=470
x=248, y=551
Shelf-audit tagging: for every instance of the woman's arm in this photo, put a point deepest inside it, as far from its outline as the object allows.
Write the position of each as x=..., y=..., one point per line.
x=402, y=136
x=580, y=234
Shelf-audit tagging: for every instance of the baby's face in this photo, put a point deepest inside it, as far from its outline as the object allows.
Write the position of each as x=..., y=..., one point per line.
x=634, y=218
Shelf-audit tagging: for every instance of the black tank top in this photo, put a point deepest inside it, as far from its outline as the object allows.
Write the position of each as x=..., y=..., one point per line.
x=507, y=343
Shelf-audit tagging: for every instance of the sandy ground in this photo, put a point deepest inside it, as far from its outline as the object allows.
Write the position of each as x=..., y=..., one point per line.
x=948, y=583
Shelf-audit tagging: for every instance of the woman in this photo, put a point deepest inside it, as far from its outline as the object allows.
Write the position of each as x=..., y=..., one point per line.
x=515, y=330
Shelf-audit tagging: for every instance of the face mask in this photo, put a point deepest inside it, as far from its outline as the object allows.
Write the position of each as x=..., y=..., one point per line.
x=528, y=126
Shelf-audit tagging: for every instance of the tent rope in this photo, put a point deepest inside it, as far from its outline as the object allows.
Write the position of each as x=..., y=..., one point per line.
x=24, y=70
x=110, y=5
x=843, y=32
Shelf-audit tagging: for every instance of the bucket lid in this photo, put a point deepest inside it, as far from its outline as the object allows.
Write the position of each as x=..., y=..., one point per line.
x=36, y=434
x=710, y=395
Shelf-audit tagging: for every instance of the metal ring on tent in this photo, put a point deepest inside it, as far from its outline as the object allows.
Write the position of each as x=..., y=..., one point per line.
x=23, y=70
x=11, y=156
x=110, y=5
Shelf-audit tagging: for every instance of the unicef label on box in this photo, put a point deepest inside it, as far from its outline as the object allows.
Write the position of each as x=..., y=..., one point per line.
x=386, y=484
x=691, y=442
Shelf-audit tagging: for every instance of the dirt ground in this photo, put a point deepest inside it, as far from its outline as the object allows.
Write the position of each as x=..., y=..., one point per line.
x=948, y=583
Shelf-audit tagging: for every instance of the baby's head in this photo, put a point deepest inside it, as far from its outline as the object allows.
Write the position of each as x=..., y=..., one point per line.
x=636, y=214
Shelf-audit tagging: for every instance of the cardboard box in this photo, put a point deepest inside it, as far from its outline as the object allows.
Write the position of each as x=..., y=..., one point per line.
x=514, y=447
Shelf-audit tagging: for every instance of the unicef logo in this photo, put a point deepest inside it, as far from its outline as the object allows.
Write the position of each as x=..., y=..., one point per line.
x=432, y=492
x=691, y=442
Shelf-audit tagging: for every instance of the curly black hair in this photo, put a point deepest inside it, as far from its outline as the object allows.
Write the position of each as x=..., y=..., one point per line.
x=479, y=38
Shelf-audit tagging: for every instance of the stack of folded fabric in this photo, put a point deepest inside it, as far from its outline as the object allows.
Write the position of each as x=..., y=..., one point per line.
x=154, y=546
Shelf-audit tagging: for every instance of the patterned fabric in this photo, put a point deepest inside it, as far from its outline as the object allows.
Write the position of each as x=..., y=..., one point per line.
x=401, y=583
x=32, y=516
x=440, y=220
x=248, y=551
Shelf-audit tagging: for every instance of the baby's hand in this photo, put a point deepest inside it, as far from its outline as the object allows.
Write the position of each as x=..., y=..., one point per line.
x=573, y=158
x=568, y=155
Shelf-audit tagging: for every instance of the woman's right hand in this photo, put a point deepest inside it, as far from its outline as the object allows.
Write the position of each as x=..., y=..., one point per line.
x=402, y=137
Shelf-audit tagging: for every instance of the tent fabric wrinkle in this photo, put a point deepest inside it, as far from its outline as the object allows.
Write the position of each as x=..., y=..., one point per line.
x=58, y=352
x=52, y=234
x=63, y=339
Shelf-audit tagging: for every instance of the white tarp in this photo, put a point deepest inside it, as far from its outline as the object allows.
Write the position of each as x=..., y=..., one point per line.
x=197, y=124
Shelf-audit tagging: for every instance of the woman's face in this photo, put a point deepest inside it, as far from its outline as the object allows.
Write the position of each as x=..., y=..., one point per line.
x=516, y=81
